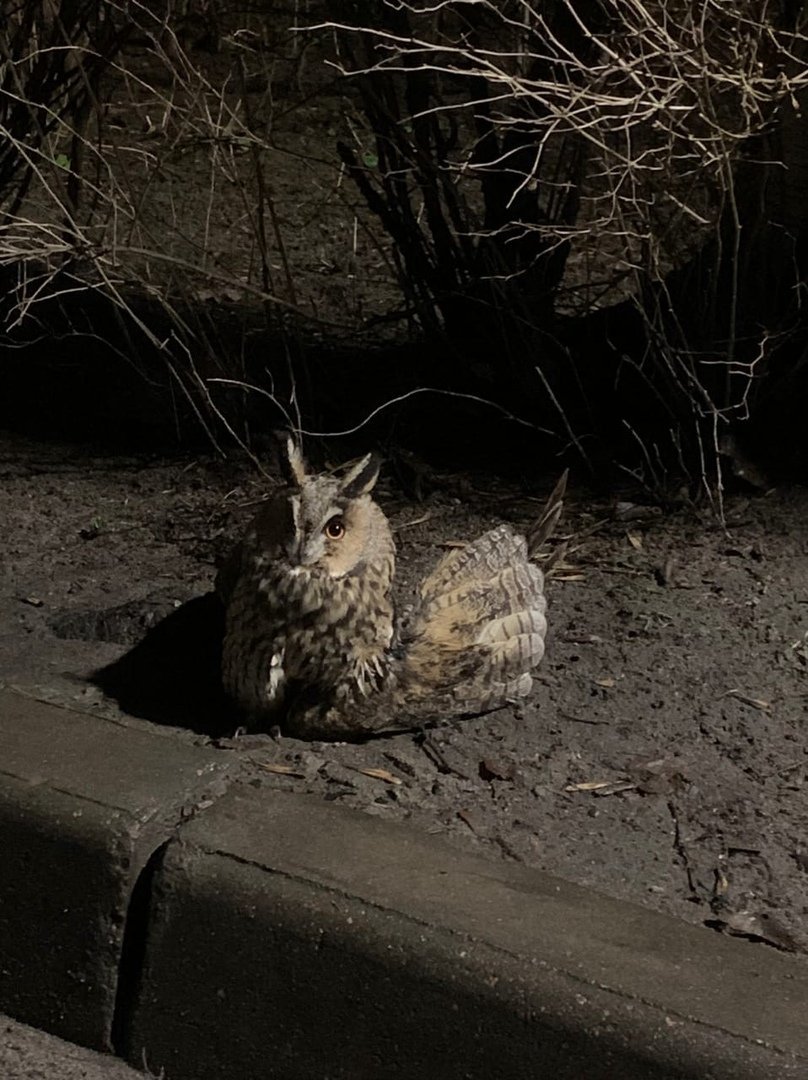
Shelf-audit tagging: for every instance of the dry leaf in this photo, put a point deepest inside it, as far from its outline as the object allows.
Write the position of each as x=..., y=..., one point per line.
x=615, y=788
x=756, y=703
x=608, y=682
x=603, y=787
x=588, y=785
x=634, y=540
x=760, y=926
x=381, y=774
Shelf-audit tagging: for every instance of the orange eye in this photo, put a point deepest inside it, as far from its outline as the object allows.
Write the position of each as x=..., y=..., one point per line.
x=335, y=528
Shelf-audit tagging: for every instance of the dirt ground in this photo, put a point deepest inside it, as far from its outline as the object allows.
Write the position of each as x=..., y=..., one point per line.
x=662, y=757
x=28, y=1054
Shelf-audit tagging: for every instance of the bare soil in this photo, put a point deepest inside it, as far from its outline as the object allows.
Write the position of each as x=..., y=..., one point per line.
x=29, y=1054
x=662, y=757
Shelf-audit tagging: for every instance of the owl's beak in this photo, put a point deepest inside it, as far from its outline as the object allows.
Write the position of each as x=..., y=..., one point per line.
x=310, y=552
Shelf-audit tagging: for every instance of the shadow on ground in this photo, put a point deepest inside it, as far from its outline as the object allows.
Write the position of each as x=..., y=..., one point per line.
x=171, y=676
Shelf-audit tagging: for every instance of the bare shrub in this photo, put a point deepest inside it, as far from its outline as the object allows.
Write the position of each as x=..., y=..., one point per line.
x=550, y=161
x=138, y=201
x=52, y=54
x=568, y=192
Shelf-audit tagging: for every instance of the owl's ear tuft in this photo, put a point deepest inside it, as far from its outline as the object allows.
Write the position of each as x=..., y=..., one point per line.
x=293, y=467
x=361, y=479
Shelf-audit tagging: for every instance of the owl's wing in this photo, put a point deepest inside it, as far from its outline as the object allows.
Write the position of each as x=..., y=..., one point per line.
x=475, y=635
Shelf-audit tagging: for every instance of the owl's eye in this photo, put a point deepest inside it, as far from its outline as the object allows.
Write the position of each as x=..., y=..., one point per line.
x=335, y=528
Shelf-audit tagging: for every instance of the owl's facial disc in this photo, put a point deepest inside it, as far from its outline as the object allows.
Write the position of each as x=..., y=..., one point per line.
x=338, y=541
x=329, y=529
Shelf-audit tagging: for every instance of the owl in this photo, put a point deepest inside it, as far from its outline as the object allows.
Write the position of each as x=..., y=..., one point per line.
x=311, y=641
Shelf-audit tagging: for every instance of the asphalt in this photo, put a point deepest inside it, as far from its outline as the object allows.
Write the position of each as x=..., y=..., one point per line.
x=156, y=907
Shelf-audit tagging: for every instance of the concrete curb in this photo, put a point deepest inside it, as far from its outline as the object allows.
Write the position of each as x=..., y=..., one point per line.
x=277, y=935
x=84, y=804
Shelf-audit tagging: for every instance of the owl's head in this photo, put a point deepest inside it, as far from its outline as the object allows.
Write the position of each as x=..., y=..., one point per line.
x=332, y=526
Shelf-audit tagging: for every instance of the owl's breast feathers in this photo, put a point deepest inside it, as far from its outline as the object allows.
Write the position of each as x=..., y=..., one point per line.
x=285, y=630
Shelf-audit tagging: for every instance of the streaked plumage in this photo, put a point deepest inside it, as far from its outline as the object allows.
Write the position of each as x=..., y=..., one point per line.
x=310, y=641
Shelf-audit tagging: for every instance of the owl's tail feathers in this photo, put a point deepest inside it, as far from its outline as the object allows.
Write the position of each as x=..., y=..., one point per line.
x=478, y=629
x=544, y=528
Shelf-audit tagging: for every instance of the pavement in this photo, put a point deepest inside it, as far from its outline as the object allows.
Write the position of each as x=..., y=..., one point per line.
x=156, y=907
